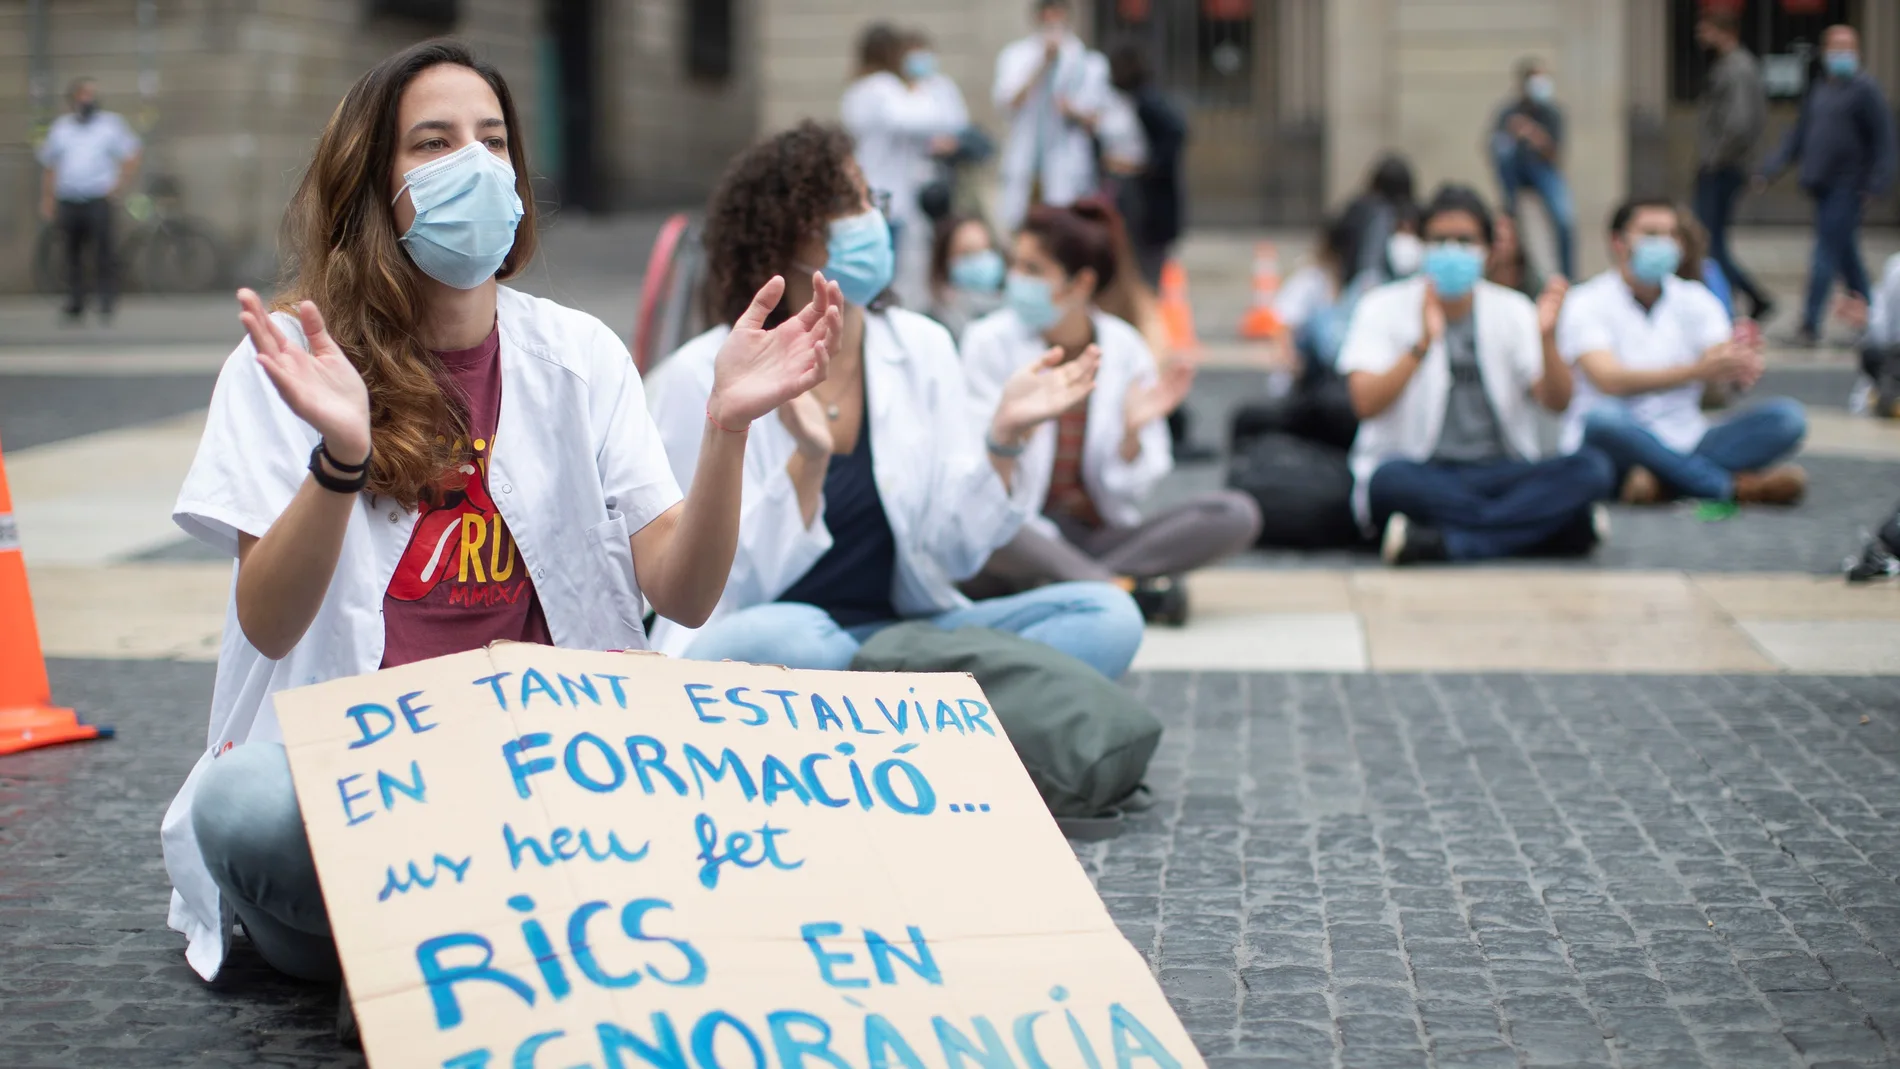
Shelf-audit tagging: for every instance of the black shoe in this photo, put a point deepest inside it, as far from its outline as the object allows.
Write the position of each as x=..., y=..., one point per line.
x=1800, y=339
x=347, y=1035
x=1411, y=543
x=1874, y=562
x=1195, y=453
x=70, y=316
x=1162, y=600
x=1763, y=310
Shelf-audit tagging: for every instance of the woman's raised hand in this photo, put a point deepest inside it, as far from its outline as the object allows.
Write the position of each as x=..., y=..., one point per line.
x=757, y=370
x=319, y=384
x=1043, y=390
x=1145, y=404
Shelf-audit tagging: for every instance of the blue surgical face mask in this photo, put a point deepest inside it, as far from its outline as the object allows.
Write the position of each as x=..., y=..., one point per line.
x=919, y=65
x=1033, y=301
x=1540, y=88
x=978, y=272
x=1454, y=267
x=466, y=211
x=860, y=257
x=1843, y=64
x=1654, y=258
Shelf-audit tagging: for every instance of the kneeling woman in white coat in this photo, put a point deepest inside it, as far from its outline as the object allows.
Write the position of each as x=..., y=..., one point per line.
x=1090, y=468
x=867, y=499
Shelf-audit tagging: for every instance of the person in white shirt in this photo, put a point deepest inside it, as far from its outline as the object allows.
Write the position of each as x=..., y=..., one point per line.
x=1446, y=372
x=898, y=126
x=88, y=159
x=1089, y=470
x=1647, y=343
x=868, y=500
x=352, y=466
x=1053, y=90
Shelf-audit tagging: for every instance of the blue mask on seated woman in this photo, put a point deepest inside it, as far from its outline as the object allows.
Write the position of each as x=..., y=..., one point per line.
x=860, y=256
x=1033, y=301
x=978, y=272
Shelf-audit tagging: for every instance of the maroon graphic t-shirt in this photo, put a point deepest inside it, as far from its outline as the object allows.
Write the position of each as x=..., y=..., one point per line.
x=460, y=584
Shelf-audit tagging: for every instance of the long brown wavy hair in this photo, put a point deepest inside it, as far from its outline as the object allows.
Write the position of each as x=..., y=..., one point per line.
x=340, y=233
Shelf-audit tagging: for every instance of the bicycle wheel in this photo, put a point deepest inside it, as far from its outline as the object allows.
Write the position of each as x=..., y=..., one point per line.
x=179, y=256
x=49, y=262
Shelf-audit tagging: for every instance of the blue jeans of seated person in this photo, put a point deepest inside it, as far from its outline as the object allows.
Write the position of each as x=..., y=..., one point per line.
x=251, y=836
x=1501, y=509
x=1093, y=622
x=1750, y=440
x=1519, y=167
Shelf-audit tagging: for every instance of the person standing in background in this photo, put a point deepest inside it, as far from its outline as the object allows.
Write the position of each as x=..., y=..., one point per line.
x=896, y=125
x=1052, y=89
x=1153, y=200
x=1729, y=123
x=1526, y=142
x=1844, y=143
x=89, y=158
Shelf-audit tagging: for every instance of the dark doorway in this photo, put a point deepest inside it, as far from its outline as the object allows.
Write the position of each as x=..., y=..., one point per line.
x=570, y=103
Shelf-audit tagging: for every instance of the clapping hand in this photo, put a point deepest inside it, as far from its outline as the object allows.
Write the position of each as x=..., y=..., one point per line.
x=1431, y=318
x=1043, y=390
x=804, y=416
x=1851, y=309
x=1550, y=303
x=757, y=369
x=319, y=383
x=1145, y=404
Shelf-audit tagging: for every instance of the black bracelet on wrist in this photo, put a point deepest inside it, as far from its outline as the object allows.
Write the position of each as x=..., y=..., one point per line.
x=331, y=482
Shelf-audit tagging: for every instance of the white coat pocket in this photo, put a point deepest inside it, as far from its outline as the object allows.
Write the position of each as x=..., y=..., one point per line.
x=616, y=594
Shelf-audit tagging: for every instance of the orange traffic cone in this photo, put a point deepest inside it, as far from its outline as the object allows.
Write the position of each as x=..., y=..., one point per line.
x=1261, y=322
x=1176, y=314
x=28, y=717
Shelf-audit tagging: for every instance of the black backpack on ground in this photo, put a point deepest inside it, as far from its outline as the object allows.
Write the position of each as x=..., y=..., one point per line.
x=1318, y=409
x=1304, y=489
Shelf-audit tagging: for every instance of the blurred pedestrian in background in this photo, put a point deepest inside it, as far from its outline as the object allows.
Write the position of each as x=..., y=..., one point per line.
x=1152, y=201
x=89, y=157
x=1844, y=144
x=1648, y=342
x=1733, y=110
x=1089, y=470
x=869, y=497
x=1052, y=89
x=1382, y=224
x=898, y=123
x=1446, y=372
x=1526, y=147
x=966, y=273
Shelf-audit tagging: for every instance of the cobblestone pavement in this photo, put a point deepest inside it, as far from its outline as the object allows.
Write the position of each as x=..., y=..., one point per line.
x=1341, y=870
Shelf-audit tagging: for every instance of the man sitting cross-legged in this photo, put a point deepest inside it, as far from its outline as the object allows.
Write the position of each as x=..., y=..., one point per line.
x=1647, y=343
x=1444, y=371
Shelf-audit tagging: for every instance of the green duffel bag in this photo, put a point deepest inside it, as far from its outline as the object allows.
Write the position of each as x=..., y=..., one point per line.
x=1085, y=740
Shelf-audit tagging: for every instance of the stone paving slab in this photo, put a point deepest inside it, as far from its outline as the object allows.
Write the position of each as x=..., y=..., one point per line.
x=1485, y=870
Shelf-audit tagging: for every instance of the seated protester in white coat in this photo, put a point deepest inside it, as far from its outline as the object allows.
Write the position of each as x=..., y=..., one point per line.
x=868, y=500
x=1051, y=88
x=430, y=463
x=1089, y=470
x=897, y=126
x=1444, y=370
x=1646, y=343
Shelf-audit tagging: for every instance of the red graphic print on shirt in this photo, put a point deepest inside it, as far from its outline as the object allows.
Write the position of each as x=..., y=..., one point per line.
x=461, y=583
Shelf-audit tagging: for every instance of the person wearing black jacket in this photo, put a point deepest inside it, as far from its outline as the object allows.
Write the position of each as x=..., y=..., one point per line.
x=1844, y=145
x=1153, y=201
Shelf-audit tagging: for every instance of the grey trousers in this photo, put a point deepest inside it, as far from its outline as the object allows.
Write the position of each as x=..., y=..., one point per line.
x=1189, y=535
x=250, y=833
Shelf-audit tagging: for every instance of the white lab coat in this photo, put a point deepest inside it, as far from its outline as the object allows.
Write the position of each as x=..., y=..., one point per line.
x=947, y=507
x=575, y=470
x=997, y=346
x=1041, y=143
x=1385, y=326
x=893, y=125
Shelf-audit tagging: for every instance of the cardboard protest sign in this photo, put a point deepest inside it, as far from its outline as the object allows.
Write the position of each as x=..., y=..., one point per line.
x=553, y=858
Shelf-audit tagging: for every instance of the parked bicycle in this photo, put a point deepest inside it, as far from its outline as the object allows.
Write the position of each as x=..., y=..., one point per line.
x=165, y=250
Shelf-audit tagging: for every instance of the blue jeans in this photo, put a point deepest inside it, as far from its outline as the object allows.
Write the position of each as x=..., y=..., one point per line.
x=1493, y=510
x=1747, y=441
x=250, y=834
x=1093, y=622
x=1520, y=167
x=1836, y=250
x=1715, y=194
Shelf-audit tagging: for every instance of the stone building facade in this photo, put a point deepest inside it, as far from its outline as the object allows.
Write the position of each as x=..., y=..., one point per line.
x=639, y=103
